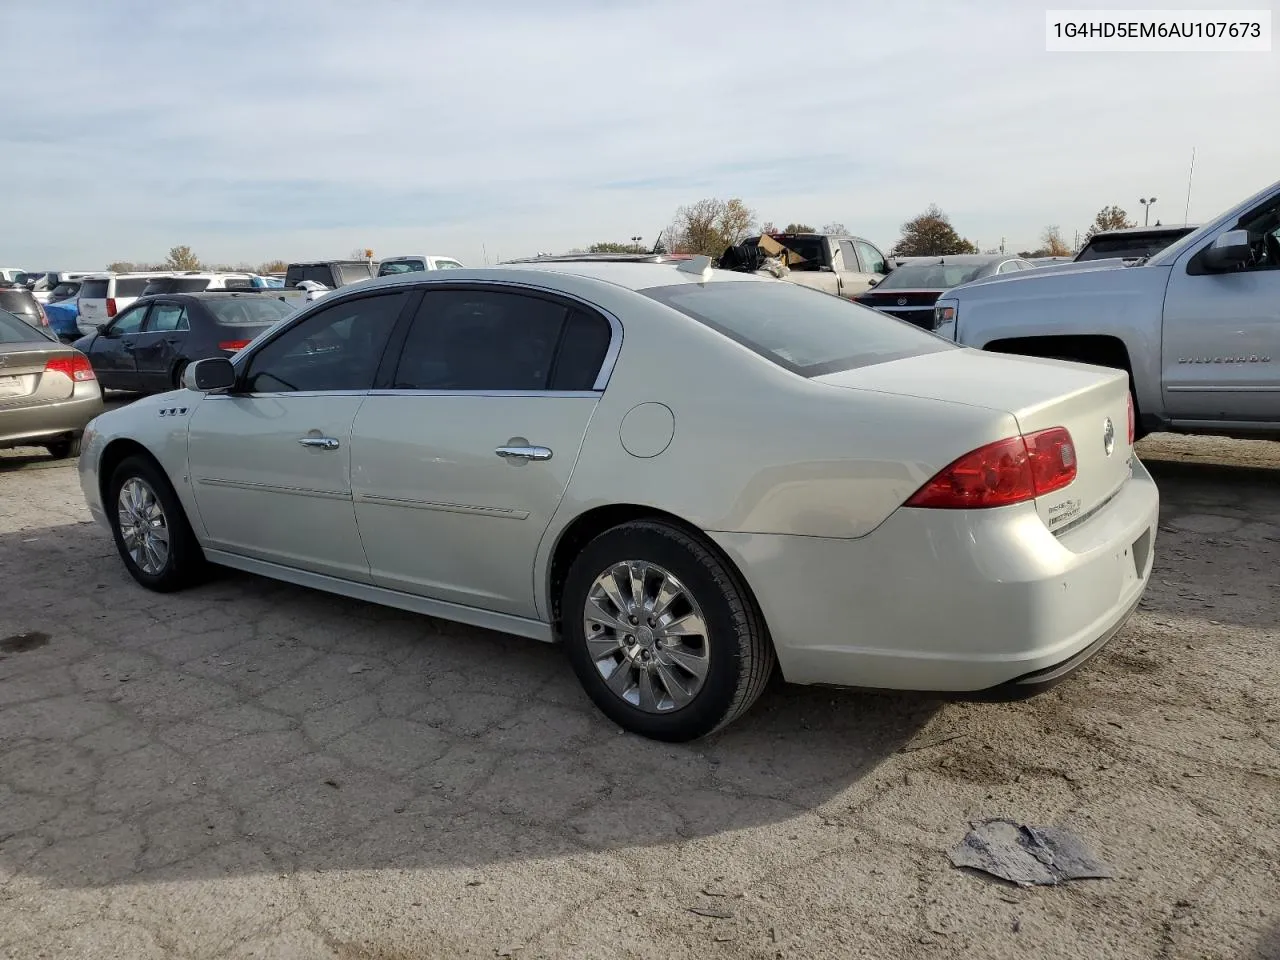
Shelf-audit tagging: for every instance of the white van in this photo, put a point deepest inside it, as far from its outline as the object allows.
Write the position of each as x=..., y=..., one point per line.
x=103, y=295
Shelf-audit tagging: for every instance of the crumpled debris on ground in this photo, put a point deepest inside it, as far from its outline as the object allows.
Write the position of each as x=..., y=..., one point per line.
x=1028, y=856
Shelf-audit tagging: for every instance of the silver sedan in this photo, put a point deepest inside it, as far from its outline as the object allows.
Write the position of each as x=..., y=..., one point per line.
x=686, y=476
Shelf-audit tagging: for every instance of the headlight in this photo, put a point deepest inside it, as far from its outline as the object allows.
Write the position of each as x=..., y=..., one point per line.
x=944, y=318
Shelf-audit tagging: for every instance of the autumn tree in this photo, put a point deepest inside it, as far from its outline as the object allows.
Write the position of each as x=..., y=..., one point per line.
x=931, y=235
x=272, y=266
x=1110, y=218
x=1052, y=244
x=181, y=258
x=709, y=226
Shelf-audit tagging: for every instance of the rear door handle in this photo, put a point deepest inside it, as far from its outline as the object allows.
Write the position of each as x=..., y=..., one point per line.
x=320, y=443
x=524, y=453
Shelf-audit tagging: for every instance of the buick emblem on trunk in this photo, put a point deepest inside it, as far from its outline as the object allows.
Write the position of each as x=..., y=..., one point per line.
x=1108, y=436
x=902, y=301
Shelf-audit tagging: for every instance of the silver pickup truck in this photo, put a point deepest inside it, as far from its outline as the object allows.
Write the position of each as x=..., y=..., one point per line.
x=1197, y=325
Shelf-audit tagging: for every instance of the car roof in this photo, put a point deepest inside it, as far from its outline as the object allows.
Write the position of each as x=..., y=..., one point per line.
x=254, y=293
x=630, y=275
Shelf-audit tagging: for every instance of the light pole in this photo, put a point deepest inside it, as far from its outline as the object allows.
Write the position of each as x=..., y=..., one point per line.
x=636, y=242
x=1146, y=206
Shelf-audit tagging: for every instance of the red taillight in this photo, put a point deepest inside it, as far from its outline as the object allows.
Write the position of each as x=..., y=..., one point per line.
x=44, y=317
x=1132, y=425
x=111, y=306
x=233, y=345
x=1003, y=473
x=75, y=367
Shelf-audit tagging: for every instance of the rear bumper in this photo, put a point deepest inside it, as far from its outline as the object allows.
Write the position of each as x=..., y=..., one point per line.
x=953, y=601
x=50, y=421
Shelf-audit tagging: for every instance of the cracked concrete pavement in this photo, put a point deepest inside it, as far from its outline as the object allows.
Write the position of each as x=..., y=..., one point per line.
x=251, y=769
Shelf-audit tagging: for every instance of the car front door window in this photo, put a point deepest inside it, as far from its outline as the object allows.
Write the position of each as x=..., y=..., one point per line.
x=872, y=259
x=336, y=349
x=129, y=322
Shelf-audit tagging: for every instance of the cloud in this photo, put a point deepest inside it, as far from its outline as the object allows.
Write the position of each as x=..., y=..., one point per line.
x=304, y=129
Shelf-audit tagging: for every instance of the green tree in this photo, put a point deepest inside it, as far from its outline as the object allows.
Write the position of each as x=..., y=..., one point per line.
x=798, y=228
x=931, y=235
x=709, y=226
x=1110, y=218
x=181, y=258
x=609, y=246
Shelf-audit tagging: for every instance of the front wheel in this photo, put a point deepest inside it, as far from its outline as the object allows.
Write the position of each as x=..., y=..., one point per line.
x=150, y=527
x=64, y=449
x=662, y=633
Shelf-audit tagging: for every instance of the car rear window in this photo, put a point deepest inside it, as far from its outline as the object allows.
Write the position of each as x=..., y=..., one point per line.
x=316, y=273
x=1129, y=247
x=234, y=312
x=93, y=290
x=932, y=276
x=811, y=250
x=802, y=330
x=392, y=267
x=238, y=283
x=68, y=288
x=131, y=286
x=15, y=330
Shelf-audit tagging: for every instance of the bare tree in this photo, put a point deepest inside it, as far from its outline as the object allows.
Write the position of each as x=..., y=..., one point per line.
x=1052, y=244
x=121, y=266
x=836, y=229
x=709, y=226
x=272, y=266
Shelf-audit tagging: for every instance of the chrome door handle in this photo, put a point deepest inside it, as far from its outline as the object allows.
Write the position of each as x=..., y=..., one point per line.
x=322, y=443
x=524, y=453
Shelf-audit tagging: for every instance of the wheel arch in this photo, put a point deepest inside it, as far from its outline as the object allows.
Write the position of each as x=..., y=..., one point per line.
x=591, y=523
x=115, y=453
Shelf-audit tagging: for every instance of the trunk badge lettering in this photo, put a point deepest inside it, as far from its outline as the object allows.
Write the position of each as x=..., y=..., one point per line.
x=1108, y=436
x=902, y=301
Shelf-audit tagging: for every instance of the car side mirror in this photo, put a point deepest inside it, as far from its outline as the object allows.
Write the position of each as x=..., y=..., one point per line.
x=873, y=281
x=1230, y=250
x=213, y=373
x=104, y=329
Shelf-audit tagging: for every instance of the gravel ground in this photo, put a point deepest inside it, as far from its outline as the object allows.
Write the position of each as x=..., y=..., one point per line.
x=253, y=770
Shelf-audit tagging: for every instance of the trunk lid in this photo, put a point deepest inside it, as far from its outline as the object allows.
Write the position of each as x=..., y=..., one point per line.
x=23, y=380
x=1039, y=394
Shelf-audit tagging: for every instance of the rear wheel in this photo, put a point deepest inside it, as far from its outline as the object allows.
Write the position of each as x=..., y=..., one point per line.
x=662, y=633
x=64, y=449
x=151, y=531
x=178, y=371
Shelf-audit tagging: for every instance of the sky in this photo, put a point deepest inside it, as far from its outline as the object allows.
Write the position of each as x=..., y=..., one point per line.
x=297, y=130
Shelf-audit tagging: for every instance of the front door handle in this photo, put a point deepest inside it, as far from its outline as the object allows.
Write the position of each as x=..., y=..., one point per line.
x=320, y=443
x=524, y=453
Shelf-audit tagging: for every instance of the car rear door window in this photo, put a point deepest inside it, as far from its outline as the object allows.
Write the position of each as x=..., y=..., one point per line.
x=336, y=349
x=482, y=340
x=131, y=286
x=167, y=317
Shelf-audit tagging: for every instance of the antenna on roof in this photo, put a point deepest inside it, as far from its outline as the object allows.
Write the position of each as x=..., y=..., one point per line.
x=700, y=264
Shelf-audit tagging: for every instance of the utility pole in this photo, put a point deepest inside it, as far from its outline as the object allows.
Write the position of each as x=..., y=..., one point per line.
x=1002, y=244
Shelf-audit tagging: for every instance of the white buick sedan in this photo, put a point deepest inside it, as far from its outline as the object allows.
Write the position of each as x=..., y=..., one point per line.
x=685, y=476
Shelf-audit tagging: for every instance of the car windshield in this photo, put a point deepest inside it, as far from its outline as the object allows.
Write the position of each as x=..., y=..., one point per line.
x=14, y=330
x=932, y=276
x=1127, y=246
x=175, y=285
x=802, y=330
x=247, y=311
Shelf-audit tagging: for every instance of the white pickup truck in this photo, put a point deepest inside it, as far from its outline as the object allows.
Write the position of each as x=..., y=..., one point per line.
x=1197, y=325
x=845, y=266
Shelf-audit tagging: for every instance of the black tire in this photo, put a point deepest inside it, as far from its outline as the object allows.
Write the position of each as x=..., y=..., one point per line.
x=64, y=449
x=185, y=563
x=178, y=371
x=741, y=655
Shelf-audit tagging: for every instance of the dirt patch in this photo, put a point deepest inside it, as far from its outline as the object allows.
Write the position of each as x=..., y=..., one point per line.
x=23, y=642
